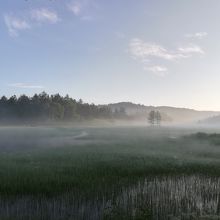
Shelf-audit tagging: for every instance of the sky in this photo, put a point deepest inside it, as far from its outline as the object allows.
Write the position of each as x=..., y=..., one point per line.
x=152, y=52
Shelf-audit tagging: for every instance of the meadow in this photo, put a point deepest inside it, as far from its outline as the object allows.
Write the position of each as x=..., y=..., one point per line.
x=65, y=173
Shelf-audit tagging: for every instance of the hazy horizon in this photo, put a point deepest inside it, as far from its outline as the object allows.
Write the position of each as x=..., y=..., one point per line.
x=159, y=53
x=110, y=103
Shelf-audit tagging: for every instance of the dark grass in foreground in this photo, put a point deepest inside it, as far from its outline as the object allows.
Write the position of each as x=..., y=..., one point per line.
x=91, y=173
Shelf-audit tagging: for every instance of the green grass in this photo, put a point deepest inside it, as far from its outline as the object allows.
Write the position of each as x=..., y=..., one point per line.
x=50, y=162
x=118, y=157
x=48, y=170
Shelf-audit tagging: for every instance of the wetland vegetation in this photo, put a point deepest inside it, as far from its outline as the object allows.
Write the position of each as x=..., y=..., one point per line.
x=109, y=173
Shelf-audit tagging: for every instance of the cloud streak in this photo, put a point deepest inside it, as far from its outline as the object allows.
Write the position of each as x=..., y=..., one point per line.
x=157, y=70
x=145, y=52
x=25, y=86
x=198, y=35
x=82, y=9
x=15, y=25
x=191, y=49
x=75, y=7
x=44, y=15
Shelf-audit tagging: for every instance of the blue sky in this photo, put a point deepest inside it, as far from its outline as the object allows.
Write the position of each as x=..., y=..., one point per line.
x=154, y=52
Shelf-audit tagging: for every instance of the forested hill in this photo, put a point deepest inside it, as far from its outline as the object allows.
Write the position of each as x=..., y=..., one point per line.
x=44, y=108
x=212, y=121
x=169, y=114
x=49, y=108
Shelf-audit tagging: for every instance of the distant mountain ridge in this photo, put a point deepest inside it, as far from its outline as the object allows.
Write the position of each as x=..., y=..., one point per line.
x=213, y=120
x=169, y=114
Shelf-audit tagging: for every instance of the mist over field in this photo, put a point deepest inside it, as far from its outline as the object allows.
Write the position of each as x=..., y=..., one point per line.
x=111, y=172
x=45, y=109
x=109, y=110
x=65, y=159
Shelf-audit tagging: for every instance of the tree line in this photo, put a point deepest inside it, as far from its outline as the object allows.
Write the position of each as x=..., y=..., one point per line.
x=45, y=108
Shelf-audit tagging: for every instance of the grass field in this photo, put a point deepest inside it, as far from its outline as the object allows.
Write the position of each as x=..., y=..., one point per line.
x=109, y=173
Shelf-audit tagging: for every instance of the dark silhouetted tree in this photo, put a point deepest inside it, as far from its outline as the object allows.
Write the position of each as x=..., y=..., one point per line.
x=154, y=118
x=151, y=118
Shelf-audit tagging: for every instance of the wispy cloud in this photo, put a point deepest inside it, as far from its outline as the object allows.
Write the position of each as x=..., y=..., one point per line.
x=82, y=9
x=75, y=7
x=25, y=86
x=146, y=52
x=15, y=24
x=44, y=15
x=198, y=35
x=157, y=70
x=191, y=49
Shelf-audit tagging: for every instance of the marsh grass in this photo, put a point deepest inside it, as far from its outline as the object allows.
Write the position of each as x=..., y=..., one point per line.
x=109, y=173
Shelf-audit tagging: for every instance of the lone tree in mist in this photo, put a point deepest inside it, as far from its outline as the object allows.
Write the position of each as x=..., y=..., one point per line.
x=151, y=117
x=154, y=118
x=158, y=118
